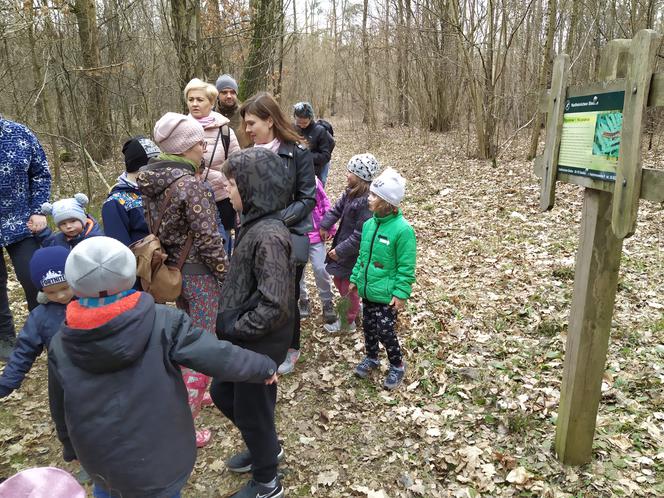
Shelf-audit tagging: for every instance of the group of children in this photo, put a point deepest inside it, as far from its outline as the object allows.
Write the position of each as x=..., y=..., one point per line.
x=114, y=368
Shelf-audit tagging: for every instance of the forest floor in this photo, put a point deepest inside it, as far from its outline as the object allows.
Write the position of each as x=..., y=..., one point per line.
x=484, y=338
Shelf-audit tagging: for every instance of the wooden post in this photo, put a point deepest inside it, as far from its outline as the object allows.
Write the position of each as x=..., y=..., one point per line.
x=595, y=285
x=553, y=130
x=628, y=174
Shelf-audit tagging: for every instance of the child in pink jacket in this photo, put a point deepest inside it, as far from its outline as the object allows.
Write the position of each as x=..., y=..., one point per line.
x=317, y=253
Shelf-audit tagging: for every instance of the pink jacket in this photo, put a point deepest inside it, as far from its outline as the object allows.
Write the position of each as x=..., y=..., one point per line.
x=322, y=207
x=216, y=178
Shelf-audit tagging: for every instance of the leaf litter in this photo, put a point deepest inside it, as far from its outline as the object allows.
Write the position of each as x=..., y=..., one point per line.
x=484, y=337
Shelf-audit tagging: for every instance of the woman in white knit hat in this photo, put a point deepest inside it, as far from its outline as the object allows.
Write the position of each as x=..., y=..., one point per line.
x=188, y=230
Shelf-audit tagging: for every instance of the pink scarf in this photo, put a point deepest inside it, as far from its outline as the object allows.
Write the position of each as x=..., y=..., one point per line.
x=206, y=121
x=273, y=145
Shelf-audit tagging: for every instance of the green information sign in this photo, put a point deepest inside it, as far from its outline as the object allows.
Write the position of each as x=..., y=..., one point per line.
x=590, y=140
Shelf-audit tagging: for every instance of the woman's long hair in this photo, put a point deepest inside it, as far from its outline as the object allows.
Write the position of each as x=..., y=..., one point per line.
x=264, y=106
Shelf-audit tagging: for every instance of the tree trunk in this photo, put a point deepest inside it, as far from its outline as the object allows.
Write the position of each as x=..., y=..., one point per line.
x=369, y=117
x=99, y=139
x=545, y=71
x=185, y=17
x=263, y=31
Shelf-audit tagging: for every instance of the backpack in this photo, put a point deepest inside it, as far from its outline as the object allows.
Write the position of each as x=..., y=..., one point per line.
x=163, y=282
x=327, y=125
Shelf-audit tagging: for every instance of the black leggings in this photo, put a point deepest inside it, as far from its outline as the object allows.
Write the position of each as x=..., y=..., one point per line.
x=295, y=341
x=226, y=213
x=378, y=322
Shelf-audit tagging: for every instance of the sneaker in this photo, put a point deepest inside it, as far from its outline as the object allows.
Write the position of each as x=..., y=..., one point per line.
x=241, y=462
x=82, y=476
x=329, y=313
x=336, y=327
x=365, y=366
x=394, y=376
x=305, y=308
x=254, y=489
x=6, y=348
x=289, y=363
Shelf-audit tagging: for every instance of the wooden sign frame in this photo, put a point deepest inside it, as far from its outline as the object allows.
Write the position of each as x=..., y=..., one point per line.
x=609, y=215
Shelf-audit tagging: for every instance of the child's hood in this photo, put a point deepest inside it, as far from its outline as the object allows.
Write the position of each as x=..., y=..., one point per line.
x=263, y=182
x=111, y=337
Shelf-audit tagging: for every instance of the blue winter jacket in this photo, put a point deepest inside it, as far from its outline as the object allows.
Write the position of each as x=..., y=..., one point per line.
x=122, y=213
x=40, y=327
x=25, y=182
x=47, y=238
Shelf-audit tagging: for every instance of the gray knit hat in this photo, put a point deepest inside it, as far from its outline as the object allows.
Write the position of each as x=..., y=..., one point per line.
x=364, y=166
x=100, y=267
x=226, y=81
x=67, y=209
x=389, y=186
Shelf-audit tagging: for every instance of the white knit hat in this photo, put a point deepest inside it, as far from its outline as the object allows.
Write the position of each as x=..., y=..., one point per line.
x=389, y=186
x=176, y=133
x=364, y=166
x=67, y=209
x=100, y=267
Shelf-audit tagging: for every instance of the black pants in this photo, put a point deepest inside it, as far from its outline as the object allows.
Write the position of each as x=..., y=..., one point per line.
x=227, y=214
x=295, y=341
x=378, y=322
x=20, y=254
x=251, y=409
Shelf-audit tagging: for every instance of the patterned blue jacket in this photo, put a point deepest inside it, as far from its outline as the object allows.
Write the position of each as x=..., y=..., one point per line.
x=25, y=182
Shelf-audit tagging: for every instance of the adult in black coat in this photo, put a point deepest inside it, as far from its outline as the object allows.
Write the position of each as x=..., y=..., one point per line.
x=268, y=127
x=319, y=140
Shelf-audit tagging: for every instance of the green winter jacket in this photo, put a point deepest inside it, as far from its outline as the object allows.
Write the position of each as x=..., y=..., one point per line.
x=385, y=266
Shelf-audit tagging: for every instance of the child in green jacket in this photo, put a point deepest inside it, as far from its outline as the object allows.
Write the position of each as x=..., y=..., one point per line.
x=384, y=274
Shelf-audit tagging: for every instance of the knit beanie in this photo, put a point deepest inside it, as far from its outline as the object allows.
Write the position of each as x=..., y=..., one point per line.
x=47, y=266
x=176, y=133
x=389, y=186
x=137, y=151
x=226, y=81
x=67, y=209
x=364, y=166
x=42, y=481
x=100, y=267
x=303, y=110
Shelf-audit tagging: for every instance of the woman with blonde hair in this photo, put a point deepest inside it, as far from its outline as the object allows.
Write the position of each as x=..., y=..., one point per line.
x=220, y=139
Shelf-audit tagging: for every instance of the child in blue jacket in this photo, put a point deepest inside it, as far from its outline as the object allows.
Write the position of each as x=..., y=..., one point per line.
x=47, y=269
x=122, y=212
x=71, y=219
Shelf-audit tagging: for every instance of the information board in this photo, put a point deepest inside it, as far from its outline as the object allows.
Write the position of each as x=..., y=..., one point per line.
x=591, y=131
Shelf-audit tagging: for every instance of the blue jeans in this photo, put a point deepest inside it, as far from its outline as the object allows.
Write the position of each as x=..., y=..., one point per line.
x=324, y=171
x=98, y=492
x=20, y=254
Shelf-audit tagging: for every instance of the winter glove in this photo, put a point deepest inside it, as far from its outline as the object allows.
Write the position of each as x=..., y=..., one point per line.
x=68, y=453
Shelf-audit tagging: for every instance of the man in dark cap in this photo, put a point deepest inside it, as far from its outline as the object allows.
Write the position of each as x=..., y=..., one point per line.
x=229, y=106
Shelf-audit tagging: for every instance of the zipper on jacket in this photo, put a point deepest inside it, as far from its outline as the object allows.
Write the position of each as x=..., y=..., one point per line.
x=366, y=269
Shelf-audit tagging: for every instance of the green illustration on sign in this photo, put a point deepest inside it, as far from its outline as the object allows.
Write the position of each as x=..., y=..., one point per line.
x=590, y=140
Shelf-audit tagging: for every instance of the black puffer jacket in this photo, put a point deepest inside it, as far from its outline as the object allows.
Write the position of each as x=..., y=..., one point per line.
x=302, y=184
x=258, y=293
x=320, y=142
x=118, y=399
